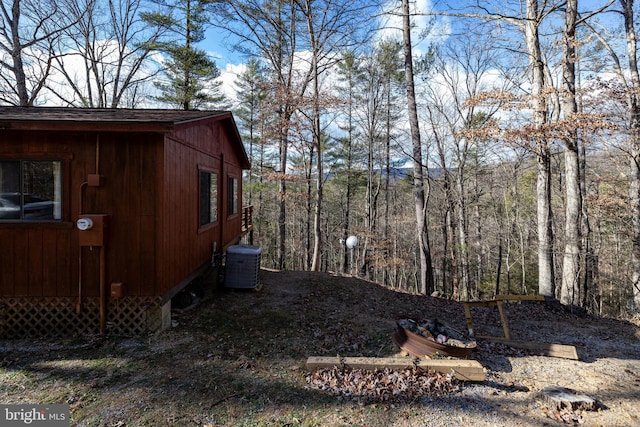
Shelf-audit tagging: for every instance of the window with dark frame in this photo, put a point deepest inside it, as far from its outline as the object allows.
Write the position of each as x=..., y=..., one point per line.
x=30, y=190
x=208, y=198
x=232, y=206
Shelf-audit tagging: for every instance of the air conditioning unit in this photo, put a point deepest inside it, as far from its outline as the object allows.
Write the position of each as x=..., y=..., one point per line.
x=242, y=267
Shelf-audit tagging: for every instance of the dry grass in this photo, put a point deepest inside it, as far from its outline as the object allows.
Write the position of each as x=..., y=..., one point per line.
x=237, y=359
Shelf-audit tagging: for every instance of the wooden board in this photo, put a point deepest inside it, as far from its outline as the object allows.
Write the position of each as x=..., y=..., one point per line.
x=520, y=297
x=553, y=350
x=465, y=370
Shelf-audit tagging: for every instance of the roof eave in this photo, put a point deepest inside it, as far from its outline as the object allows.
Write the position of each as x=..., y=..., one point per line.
x=86, y=126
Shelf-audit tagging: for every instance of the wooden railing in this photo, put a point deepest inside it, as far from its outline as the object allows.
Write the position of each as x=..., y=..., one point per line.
x=247, y=219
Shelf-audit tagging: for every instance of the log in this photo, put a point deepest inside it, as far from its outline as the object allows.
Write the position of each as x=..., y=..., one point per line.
x=566, y=398
x=464, y=370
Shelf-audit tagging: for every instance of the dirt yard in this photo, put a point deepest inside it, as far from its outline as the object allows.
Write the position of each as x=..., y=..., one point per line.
x=237, y=358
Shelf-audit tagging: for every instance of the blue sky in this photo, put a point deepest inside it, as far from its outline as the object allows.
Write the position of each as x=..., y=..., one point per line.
x=219, y=46
x=216, y=44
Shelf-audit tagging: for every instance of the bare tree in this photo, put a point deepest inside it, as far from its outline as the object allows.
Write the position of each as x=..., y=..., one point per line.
x=530, y=22
x=570, y=291
x=459, y=74
x=270, y=31
x=629, y=77
x=114, y=46
x=29, y=30
x=634, y=119
x=348, y=72
x=426, y=273
x=332, y=25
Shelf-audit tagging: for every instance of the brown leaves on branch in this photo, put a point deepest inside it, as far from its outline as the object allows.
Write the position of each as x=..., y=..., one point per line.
x=380, y=386
x=526, y=134
x=586, y=123
x=494, y=97
x=279, y=176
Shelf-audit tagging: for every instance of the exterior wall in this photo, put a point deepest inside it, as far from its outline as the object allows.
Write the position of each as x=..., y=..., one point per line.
x=39, y=258
x=186, y=245
x=130, y=165
x=42, y=258
x=233, y=224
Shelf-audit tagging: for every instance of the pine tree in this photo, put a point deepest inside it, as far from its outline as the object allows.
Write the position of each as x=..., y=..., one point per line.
x=190, y=72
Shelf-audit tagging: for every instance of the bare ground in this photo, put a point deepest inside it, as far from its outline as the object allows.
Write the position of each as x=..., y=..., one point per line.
x=238, y=359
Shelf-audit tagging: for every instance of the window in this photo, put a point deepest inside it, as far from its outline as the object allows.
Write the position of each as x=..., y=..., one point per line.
x=208, y=197
x=30, y=190
x=233, y=196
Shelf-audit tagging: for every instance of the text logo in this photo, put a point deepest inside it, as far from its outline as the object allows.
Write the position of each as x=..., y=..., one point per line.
x=34, y=415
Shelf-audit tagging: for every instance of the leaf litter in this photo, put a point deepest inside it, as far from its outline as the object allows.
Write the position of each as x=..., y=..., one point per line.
x=381, y=385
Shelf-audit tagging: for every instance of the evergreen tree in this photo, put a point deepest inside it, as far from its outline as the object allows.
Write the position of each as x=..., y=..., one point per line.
x=190, y=72
x=250, y=86
x=251, y=114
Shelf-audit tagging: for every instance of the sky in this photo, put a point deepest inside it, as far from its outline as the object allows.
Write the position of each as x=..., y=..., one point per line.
x=231, y=63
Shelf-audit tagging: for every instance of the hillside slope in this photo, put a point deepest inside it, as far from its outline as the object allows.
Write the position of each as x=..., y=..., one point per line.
x=237, y=359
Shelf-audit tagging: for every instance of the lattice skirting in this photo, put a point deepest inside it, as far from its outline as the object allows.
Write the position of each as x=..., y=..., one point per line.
x=53, y=317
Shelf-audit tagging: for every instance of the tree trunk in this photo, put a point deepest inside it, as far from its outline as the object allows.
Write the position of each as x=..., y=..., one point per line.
x=463, y=237
x=387, y=165
x=426, y=273
x=317, y=135
x=570, y=291
x=634, y=126
x=282, y=188
x=546, y=276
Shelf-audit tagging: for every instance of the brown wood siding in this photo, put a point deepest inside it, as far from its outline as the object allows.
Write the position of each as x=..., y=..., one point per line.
x=35, y=257
x=128, y=163
x=184, y=246
x=151, y=194
x=188, y=246
x=41, y=259
x=233, y=222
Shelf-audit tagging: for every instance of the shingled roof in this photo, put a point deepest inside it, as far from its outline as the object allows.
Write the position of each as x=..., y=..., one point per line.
x=114, y=120
x=103, y=118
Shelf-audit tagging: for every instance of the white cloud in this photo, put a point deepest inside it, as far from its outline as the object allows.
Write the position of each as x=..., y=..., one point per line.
x=228, y=78
x=390, y=24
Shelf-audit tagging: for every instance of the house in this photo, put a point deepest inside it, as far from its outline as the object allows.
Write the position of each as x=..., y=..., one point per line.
x=106, y=214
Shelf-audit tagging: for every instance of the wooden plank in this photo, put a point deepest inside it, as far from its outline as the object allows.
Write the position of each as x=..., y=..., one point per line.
x=481, y=303
x=519, y=297
x=503, y=318
x=467, y=315
x=553, y=350
x=465, y=370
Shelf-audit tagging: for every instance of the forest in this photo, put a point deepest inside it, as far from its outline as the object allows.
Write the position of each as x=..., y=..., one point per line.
x=472, y=148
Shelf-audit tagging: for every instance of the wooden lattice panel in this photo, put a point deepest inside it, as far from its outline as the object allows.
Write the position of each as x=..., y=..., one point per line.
x=53, y=317
x=134, y=315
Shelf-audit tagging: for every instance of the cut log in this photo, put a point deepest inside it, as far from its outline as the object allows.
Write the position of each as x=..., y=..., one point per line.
x=464, y=370
x=566, y=398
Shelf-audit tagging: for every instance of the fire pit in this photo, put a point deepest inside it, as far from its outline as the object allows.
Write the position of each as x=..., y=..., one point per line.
x=431, y=337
